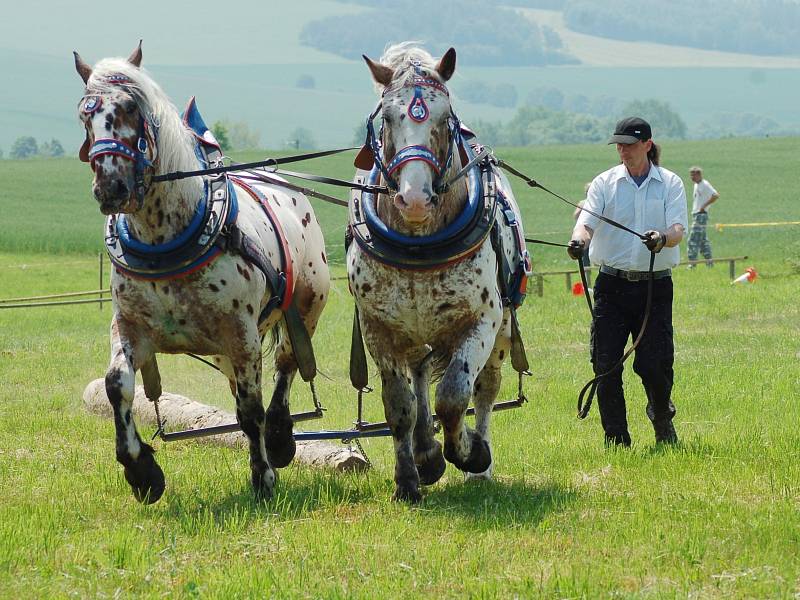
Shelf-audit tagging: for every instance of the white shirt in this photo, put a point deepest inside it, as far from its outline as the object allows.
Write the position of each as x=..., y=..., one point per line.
x=659, y=203
x=702, y=192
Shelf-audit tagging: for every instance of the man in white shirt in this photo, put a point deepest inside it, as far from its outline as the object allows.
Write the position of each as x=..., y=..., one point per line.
x=646, y=198
x=704, y=196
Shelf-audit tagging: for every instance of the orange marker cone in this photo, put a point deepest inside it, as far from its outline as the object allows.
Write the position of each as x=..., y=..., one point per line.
x=577, y=289
x=749, y=276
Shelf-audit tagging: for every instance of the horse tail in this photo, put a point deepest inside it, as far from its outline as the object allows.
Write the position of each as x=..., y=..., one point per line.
x=276, y=335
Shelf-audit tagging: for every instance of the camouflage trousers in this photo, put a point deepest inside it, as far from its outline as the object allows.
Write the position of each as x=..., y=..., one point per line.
x=698, y=237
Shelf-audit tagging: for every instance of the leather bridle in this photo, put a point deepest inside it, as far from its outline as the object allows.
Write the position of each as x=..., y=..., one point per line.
x=143, y=154
x=419, y=113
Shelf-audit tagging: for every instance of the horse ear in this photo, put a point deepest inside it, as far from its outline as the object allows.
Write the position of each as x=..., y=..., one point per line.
x=380, y=72
x=136, y=56
x=447, y=64
x=84, y=70
x=83, y=153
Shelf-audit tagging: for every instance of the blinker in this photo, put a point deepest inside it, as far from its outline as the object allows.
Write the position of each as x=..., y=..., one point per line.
x=91, y=105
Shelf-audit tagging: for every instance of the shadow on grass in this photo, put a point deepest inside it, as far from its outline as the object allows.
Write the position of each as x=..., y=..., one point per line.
x=301, y=494
x=692, y=447
x=487, y=504
x=298, y=494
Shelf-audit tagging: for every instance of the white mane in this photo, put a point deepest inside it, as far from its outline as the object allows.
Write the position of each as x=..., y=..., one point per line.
x=175, y=142
x=400, y=56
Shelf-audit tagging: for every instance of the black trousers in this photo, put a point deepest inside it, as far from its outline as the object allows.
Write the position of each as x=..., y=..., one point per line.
x=619, y=308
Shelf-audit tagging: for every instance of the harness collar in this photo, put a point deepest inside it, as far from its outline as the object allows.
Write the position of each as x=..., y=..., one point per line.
x=197, y=245
x=459, y=240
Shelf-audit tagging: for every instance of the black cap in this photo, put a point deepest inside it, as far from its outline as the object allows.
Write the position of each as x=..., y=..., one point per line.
x=630, y=131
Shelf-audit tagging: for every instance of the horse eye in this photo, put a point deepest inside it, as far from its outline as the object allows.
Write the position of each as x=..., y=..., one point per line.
x=129, y=106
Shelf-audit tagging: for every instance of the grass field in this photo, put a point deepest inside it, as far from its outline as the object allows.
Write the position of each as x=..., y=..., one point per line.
x=716, y=517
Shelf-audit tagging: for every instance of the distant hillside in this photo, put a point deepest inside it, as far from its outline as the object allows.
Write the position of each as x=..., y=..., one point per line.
x=485, y=35
x=201, y=32
x=43, y=101
x=767, y=27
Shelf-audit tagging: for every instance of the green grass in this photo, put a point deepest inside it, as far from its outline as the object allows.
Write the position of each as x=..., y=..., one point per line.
x=714, y=518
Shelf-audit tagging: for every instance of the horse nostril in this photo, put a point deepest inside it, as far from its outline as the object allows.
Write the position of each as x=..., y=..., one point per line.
x=120, y=189
x=434, y=200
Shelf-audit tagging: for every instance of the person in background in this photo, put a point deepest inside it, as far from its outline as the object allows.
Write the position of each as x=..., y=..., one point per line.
x=645, y=197
x=704, y=196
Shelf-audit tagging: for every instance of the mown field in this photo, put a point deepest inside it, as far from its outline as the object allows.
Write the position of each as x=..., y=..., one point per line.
x=715, y=517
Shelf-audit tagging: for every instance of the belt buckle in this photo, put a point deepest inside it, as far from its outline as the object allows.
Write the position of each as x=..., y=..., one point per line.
x=632, y=276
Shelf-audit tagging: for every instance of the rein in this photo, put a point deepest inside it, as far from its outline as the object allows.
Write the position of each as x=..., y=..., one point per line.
x=591, y=386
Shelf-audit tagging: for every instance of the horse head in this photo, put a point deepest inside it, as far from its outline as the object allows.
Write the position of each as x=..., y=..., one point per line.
x=419, y=129
x=121, y=132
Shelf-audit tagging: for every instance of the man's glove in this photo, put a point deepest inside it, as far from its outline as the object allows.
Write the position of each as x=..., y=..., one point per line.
x=654, y=240
x=575, y=249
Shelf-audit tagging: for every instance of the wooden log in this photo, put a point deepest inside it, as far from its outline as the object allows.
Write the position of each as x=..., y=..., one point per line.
x=180, y=412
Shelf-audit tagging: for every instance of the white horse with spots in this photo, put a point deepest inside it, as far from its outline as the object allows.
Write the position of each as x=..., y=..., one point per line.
x=170, y=297
x=418, y=315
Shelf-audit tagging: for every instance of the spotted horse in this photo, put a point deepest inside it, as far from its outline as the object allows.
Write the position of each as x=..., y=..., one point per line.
x=437, y=267
x=201, y=265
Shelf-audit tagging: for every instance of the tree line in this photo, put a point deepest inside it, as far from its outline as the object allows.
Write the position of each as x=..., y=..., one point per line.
x=26, y=146
x=767, y=27
x=485, y=34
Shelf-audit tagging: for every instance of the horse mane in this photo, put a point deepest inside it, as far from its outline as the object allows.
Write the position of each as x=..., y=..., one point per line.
x=400, y=58
x=175, y=142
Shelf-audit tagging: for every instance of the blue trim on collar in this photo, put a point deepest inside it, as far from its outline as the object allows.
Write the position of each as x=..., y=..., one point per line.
x=474, y=203
x=198, y=221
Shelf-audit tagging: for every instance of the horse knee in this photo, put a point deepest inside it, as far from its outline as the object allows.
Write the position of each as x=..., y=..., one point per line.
x=453, y=394
x=250, y=417
x=399, y=405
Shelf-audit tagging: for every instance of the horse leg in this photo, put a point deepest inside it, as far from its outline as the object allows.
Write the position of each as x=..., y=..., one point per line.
x=141, y=471
x=464, y=447
x=250, y=411
x=279, y=439
x=487, y=387
x=401, y=413
x=427, y=450
x=278, y=436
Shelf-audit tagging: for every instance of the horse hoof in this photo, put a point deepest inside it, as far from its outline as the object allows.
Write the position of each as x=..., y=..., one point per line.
x=432, y=466
x=408, y=494
x=278, y=439
x=480, y=455
x=484, y=476
x=263, y=484
x=146, y=479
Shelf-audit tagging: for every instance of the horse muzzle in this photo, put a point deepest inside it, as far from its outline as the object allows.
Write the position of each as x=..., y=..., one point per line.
x=113, y=194
x=415, y=208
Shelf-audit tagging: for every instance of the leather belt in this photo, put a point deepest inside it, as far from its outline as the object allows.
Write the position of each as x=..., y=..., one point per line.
x=634, y=275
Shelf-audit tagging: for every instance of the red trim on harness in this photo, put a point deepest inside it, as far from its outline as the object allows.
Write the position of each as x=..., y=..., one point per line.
x=286, y=258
